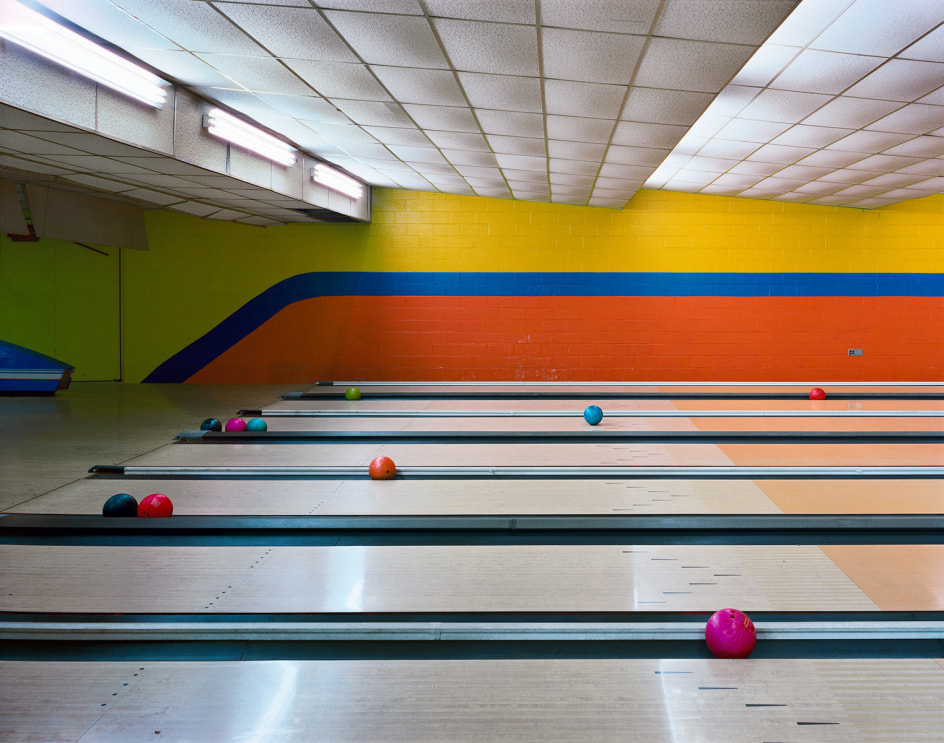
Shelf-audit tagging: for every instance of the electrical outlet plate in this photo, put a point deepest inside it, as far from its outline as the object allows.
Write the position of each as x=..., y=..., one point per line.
x=855, y=351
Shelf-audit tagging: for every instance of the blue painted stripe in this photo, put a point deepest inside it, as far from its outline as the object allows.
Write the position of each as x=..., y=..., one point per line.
x=348, y=283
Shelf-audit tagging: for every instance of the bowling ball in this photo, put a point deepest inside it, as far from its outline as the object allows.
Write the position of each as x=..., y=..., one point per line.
x=211, y=424
x=730, y=633
x=817, y=394
x=382, y=468
x=120, y=504
x=256, y=424
x=235, y=424
x=352, y=393
x=155, y=505
x=593, y=415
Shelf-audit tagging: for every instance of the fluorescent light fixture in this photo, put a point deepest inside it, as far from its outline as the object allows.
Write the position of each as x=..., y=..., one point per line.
x=336, y=181
x=39, y=34
x=226, y=126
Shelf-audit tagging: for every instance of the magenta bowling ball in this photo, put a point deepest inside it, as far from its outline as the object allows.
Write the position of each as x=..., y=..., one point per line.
x=730, y=634
x=235, y=424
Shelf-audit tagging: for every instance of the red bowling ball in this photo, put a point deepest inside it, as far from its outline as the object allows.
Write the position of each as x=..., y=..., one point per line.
x=817, y=394
x=382, y=468
x=730, y=633
x=156, y=505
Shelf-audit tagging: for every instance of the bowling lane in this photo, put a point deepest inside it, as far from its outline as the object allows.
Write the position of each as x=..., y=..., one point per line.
x=538, y=455
x=545, y=701
x=561, y=578
x=416, y=497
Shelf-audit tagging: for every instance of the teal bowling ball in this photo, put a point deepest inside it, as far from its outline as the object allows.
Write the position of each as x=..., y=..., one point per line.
x=593, y=415
x=256, y=424
x=120, y=504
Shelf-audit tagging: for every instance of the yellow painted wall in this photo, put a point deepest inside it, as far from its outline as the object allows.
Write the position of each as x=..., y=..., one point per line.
x=61, y=299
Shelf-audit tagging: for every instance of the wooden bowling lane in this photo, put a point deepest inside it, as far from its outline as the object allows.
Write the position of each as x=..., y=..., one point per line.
x=545, y=701
x=538, y=455
x=416, y=497
x=258, y=579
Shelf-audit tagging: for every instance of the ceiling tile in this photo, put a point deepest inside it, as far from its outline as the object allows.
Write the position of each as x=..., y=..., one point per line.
x=635, y=155
x=388, y=166
x=467, y=157
x=115, y=186
x=900, y=80
x=710, y=164
x=601, y=15
x=414, y=182
x=374, y=113
x=521, y=162
x=894, y=180
x=764, y=65
x=417, y=154
x=153, y=197
x=745, y=130
x=337, y=80
x=783, y=106
x=109, y=22
x=733, y=21
x=341, y=134
x=754, y=168
x=935, y=98
x=407, y=7
x=413, y=85
x=498, y=11
x=825, y=72
x=478, y=183
x=805, y=172
x=579, y=129
x=502, y=92
x=736, y=181
x=490, y=47
x=569, y=179
x=194, y=208
x=182, y=65
x=930, y=48
x=867, y=141
x=517, y=145
x=818, y=187
x=915, y=118
x=533, y=177
x=295, y=33
x=883, y=163
x=511, y=123
x=690, y=65
x=395, y=40
x=802, y=135
x=308, y=107
x=396, y=135
x=727, y=148
x=845, y=175
x=831, y=159
x=588, y=99
x=590, y=57
x=616, y=184
x=664, y=106
x=429, y=170
x=471, y=171
x=262, y=74
x=575, y=167
x=919, y=147
x=640, y=134
x=879, y=27
x=849, y=112
x=194, y=26
x=443, y=118
x=493, y=193
x=459, y=140
x=575, y=150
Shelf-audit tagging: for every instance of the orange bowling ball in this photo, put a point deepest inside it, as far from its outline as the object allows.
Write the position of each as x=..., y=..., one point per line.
x=382, y=468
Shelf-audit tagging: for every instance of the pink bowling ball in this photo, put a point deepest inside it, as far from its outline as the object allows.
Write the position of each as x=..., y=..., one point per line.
x=235, y=424
x=730, y=634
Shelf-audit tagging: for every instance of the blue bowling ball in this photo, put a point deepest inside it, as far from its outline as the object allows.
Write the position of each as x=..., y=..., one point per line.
x=593, y=415
x=211, y=424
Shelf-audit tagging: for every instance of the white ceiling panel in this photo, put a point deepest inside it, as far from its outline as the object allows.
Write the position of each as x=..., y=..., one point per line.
x=395, y=40
x=879, y=26
x=478, y=183
x=832, y=159
x=417, y=154
x=929, y=48
x=635, y=155
x=459, y=140
x=620, y=16
x=764, y=65
x=919, y=147
x=532, y=177
x=804, y=172
x=576, y=150
x=398, y=135
x=727, y=148
x=517, y=145
x=848, y=112
x=590, y=100
x=574, y=167
x=339, y=80
x=690, y=65
x=591, y=57
x=467, y=157
x=802, y=135
x=579, y=129
x=570, y=179
x=866, y=141
x=755, y=168
x=915, y=118
x=647, y=135
x=307, y=107
x=374, y=113
x=520, y=162
x=412, y=85
x=900, y=80
x=490, y=47
x=745, y=130
x=498, y=11
x=732, y=21
x=664, y=106
x=292, y=33
x=511, y=123
x=894, y=180
x=502, y=92
x=265, y=74
x=825, y=72
x=428, y=170
x=406, y=7
x=884, y=163
x=443, y=118
x=783, y=106
x=469, y=171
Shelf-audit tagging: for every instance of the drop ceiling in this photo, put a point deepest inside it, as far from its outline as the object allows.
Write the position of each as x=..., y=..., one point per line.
x=837, y=102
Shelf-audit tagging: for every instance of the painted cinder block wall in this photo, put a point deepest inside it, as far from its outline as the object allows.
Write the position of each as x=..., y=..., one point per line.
x=441, y=287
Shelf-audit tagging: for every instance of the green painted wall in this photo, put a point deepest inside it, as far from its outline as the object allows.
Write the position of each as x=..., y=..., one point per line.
x=61, y=299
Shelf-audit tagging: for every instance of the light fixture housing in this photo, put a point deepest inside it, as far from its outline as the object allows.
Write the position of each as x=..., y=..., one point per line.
x=43, y=36
x=224, y=125
x=336, y=181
